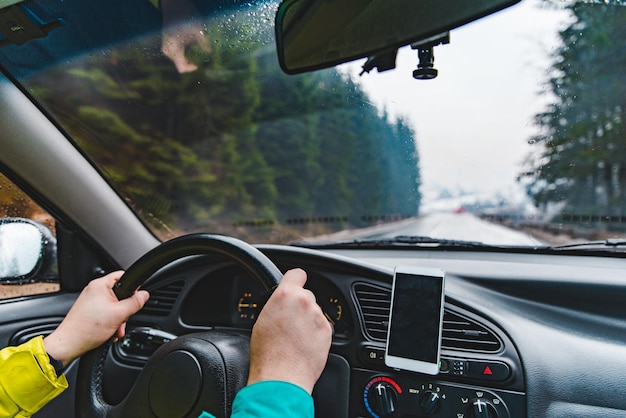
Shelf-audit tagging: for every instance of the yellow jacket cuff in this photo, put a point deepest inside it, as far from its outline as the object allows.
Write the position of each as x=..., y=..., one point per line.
x=27, y=379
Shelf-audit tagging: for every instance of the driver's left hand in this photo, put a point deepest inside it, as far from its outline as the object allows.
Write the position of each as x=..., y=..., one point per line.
x=96, y=316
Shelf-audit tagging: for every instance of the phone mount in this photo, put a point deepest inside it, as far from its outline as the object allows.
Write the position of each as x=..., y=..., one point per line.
x=426, y=67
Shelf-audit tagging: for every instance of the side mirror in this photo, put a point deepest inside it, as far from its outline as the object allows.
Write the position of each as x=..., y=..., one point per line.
x=316, y=34
x=27, y=252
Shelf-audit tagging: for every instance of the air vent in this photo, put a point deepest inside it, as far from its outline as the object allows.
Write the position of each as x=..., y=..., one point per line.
x=162, y=299
x=459, y=332
x=374, y=303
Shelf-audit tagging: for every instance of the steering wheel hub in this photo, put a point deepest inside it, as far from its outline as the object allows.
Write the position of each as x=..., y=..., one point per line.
x=175, y=385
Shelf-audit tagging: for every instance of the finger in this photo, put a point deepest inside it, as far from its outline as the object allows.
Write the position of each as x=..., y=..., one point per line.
x=121, y=331
x=112, y=278
x=171, y=46
x=199, y=38
x=176, y=54
x=295, y=277
x=205, y=44
x=184, y=66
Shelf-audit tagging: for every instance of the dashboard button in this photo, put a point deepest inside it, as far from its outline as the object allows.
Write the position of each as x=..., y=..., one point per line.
x=373, y=356
x=488, y=370
x=454, y=367
x=459, y=367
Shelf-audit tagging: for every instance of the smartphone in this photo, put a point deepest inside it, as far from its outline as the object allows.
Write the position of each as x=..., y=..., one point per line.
x=416, y=319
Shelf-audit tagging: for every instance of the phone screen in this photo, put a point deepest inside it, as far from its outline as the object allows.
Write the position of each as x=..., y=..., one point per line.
x=416, y=319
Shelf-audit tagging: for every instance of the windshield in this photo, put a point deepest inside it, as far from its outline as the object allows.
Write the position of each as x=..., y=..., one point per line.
x=182, y=105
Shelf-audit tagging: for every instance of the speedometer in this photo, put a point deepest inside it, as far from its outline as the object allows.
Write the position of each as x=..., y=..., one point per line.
x=247, y=306
x=332, y=302
x=248, y=297
x=332, y=309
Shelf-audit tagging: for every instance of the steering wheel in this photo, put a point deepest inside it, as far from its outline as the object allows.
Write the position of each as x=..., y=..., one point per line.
x=195, y=372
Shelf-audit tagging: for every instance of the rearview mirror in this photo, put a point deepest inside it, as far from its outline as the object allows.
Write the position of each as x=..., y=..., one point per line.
x=27, y=251
x=315, y=34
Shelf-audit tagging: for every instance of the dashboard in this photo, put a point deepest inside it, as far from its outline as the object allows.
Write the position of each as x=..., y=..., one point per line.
x=507, y=335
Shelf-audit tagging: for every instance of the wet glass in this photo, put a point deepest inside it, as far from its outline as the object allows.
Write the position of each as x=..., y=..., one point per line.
x=21, y=245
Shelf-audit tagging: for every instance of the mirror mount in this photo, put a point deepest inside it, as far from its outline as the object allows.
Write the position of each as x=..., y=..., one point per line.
x=426, y=67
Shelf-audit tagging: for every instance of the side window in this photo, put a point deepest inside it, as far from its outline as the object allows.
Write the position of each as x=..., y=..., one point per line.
x=28, y=264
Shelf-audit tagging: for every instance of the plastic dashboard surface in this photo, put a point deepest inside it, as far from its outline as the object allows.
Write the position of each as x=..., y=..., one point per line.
x=523, y=335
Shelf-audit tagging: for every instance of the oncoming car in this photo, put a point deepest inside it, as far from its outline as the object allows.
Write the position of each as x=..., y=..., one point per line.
x=207, y=146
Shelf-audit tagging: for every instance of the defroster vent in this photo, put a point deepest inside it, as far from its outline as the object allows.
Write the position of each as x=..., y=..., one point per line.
x=459, y=331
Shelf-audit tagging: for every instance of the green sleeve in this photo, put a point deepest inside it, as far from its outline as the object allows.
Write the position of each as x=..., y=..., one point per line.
x=271, y=399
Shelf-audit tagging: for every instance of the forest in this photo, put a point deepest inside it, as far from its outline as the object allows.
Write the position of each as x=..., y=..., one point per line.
x=236, y=142
x=581, y=150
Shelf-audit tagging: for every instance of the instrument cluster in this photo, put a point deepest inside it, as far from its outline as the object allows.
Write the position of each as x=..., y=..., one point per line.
x=231, y=297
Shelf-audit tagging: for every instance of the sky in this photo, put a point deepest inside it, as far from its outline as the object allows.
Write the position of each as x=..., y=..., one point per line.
x=473, y=122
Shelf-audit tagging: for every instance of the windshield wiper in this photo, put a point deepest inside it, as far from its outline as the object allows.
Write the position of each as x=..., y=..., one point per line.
x=400, y=240
x=426, y=242
x=611, y=242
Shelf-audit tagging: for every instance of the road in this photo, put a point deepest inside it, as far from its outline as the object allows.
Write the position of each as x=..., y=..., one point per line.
x=458, y=226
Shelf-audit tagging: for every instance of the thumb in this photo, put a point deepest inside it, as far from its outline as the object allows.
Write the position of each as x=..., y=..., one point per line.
x=294, y=277
x=110, y=279
x=134, y=303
